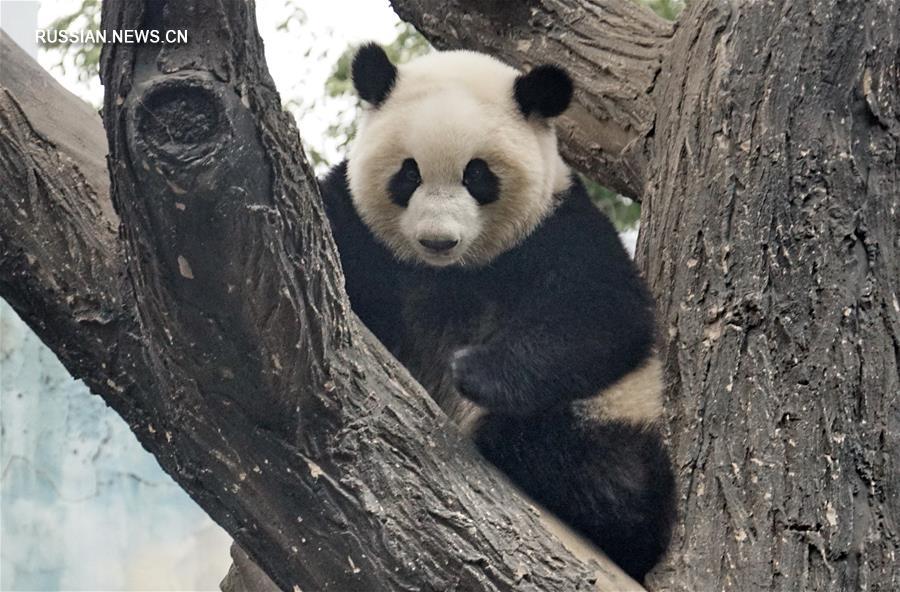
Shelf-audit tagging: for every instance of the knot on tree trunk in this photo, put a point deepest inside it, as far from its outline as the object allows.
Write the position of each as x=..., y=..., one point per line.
x=186, y=124
x=180, y=117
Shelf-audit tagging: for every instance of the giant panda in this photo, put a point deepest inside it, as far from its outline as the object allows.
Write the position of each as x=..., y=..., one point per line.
x=476, y=256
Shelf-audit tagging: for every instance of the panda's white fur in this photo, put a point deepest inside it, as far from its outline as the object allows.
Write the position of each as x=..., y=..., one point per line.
x=635, y=398
x=445, y=109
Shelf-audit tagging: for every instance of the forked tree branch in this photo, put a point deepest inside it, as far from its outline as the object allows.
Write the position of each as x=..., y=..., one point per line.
x=613, y=48
x=222, y=333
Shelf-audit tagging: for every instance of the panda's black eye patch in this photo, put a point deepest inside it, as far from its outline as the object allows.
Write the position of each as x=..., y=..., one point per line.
x=481, y=181
x=404, y=182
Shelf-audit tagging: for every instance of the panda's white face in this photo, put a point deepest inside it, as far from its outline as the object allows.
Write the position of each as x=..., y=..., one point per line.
x=446, y=169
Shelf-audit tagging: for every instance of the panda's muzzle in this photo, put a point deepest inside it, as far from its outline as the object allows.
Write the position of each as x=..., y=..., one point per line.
x=438, y=245
x=439, y=223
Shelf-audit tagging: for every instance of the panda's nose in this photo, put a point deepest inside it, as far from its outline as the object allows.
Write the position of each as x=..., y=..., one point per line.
x=438, y=245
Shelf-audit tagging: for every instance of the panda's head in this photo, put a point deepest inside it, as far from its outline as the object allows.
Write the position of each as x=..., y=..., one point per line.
x=455, y=160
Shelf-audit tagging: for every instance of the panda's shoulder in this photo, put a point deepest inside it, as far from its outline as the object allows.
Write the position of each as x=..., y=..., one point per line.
x=577, y=211
x=577, y=229
x=348, y=229
x=372, y=275
x=335, y=189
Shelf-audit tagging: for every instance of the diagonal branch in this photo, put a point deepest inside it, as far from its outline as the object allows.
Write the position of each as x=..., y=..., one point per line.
x=60, y=261
x=613, y=48
x=229, y=347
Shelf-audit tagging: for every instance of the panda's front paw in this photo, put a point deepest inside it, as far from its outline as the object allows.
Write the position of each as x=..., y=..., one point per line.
x=475, y=377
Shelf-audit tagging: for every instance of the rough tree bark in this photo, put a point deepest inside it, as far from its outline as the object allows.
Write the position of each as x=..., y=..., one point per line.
x=221, y=332
x=770, y=234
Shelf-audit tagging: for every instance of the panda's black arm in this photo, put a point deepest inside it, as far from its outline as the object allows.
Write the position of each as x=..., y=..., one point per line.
x=584, y=321
x=525, y=368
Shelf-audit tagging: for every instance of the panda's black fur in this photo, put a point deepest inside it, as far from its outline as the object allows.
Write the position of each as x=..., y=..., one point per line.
x=529, y=336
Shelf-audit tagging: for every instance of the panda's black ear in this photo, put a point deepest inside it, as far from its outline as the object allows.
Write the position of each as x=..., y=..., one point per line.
x=546, y=90
x=373, y=74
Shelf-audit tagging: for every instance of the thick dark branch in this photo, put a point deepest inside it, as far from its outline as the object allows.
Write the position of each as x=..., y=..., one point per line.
x=613, y=48
x=246, y=375
x=60, y=261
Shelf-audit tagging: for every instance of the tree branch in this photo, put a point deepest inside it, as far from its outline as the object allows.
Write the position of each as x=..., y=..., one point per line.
x=613, y=48
x=60, y=261
x=230, y=349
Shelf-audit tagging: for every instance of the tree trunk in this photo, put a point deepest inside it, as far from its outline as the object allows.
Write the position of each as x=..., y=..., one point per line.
x=771, y=237
x=770, y=232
